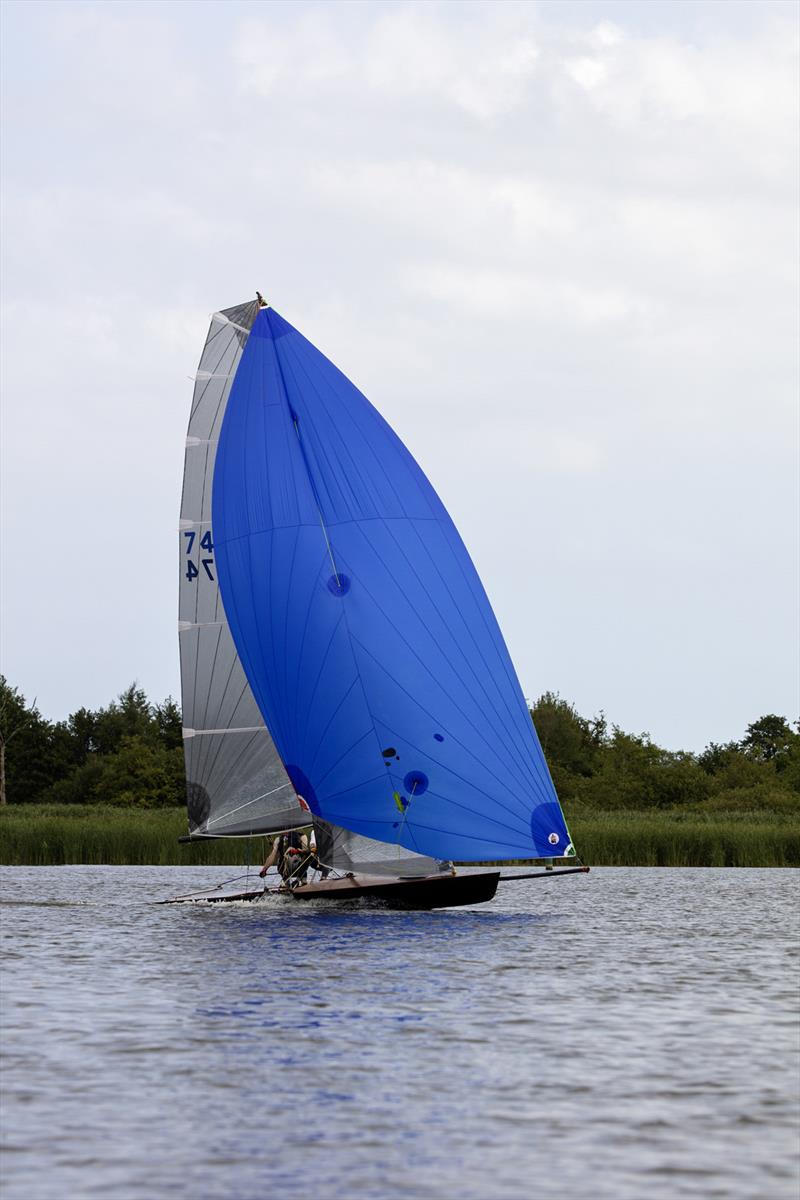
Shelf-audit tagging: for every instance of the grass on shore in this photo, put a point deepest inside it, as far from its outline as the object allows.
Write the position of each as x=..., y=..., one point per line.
x=58, y=834
x=48, y=835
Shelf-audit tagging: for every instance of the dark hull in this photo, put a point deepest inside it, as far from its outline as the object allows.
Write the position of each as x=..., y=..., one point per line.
x=432, y=891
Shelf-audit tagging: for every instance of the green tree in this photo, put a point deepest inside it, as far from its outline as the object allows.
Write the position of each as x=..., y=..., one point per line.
x=770, y=739
x=144, y=774
x=636, y=773
x=169, y=723
x=717, y=756
x=130, y=715
x=32, y=757
x=567, y=739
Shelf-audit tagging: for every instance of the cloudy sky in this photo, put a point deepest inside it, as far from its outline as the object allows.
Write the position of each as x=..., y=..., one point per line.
x=555, y=243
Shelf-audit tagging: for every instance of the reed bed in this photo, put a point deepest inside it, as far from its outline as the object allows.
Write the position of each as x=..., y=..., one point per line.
x=686, y=839
x=48, y=835
x=55, y=835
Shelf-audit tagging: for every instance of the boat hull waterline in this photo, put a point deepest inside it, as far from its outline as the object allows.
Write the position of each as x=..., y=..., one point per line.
x=427, y=892
x=432, y=891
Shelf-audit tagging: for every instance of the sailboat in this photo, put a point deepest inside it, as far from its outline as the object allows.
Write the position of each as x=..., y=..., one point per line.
x=341, y=666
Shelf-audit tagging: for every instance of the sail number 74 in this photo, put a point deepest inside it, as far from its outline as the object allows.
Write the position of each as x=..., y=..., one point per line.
x=206, y=544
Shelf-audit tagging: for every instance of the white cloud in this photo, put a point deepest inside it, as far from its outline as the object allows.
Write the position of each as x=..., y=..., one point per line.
x=482, y=66
x=560, y=255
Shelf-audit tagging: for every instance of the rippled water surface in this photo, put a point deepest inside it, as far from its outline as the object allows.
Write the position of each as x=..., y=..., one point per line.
x=628, y=1034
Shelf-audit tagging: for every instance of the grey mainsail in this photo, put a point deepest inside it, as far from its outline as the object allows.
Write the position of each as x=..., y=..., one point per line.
x=235, y=780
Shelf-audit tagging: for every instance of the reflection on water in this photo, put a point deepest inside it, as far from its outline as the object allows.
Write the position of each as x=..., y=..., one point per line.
x=627, y=1034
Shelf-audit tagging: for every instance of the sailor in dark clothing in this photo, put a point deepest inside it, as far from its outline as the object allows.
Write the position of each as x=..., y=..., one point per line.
x=293, y=854
x=290, y=853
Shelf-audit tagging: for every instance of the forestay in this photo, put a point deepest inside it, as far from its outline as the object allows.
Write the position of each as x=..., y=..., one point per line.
x=364, y=630
x=236, y=783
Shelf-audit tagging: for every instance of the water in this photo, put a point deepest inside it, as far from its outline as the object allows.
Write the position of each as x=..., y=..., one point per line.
x=627, y=1034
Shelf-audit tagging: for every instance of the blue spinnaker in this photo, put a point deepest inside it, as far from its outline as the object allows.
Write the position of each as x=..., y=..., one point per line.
x=363, y=628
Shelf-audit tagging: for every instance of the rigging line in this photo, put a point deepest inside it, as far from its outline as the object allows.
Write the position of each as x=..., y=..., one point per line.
x=370, y=408
x=405, y=813
x=306, y=464
x=346, y=411
x=314, y=490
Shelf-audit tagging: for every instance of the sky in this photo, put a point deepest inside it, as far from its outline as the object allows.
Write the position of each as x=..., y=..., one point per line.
x=556, y=244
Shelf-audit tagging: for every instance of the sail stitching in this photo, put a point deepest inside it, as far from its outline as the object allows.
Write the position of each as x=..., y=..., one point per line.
x=455, y=739
x=345, y=449
x=425, y=667
x=526, y=765
x=511, y=750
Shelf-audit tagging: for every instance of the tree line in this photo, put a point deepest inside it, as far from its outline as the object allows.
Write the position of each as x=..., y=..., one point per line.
x=604, y=767
x=130, y=754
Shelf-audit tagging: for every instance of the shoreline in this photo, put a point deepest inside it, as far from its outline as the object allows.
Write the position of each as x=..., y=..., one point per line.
x=54, y=835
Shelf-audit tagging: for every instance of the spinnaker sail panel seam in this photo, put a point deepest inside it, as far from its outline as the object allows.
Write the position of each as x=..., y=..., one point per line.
x=511, y=849
x=323, y=662
x=286, y=617
x=523, y=782
x=302, y=647
x=456, y=740
x=527, y=777
x=480, y=601
x=494, y=633
x=367, y=733
x=335, y=427
x=331, y=719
